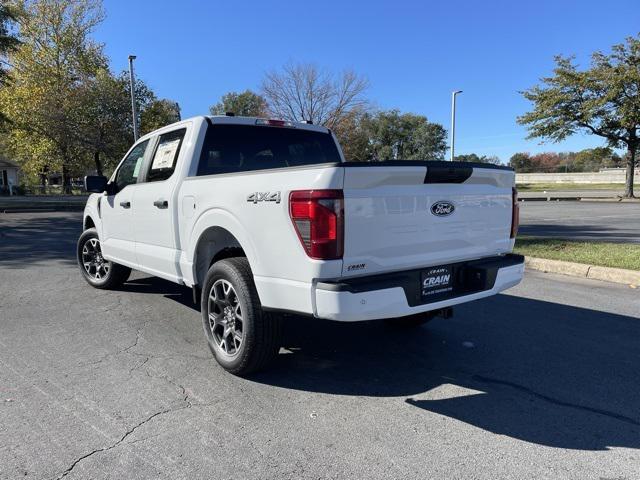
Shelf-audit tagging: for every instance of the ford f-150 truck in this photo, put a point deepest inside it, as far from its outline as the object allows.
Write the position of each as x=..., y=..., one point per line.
x=264, y=217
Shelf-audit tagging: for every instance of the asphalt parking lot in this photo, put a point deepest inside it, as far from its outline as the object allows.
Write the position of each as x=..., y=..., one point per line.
x=601, y=221
x=542, y=382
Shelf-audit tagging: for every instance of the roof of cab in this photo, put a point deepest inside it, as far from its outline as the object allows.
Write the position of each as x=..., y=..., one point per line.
x=236, y=120
x=231, y=120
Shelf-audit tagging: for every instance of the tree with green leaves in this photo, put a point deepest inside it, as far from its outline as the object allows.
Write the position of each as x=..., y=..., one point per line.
x=473, y=157
x=102, y=112
x=521, y=162
x=603, y=100
x=406, y=136
x=8, y=38
x=157, y=114
x=593, y=159
x=353, y=136
x=244, y=104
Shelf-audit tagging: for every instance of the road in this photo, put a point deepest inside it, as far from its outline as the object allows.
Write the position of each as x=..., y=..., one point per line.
x=542, y=382
x=601, y=221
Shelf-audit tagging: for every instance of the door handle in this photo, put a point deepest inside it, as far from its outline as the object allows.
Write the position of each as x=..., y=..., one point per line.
x=125, y=204
x=161, y=203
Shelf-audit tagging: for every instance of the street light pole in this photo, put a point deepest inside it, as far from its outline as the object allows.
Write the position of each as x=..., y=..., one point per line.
x=453, y=121
x=133, y=98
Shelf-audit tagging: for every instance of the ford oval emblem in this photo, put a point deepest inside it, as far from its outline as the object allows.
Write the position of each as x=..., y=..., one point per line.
x=442, y=208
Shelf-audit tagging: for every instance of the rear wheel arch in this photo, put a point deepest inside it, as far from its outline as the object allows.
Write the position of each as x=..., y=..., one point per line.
x=214, y=244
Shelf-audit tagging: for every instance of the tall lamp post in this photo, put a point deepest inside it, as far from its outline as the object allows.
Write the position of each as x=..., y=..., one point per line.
x=133, y=98
x=453, y=121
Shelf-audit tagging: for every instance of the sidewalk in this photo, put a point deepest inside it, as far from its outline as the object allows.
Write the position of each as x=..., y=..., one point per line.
x=42, y=203
x=584, y=195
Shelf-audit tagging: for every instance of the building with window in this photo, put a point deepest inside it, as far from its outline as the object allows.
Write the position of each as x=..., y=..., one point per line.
x=8, y=175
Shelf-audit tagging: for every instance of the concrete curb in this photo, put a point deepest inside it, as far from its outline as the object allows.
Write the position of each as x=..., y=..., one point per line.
x=611, y=200
x=595, y=272
x=549, y=198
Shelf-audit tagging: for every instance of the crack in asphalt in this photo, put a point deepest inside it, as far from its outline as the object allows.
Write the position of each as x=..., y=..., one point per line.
x=185, y=397
x=188, y=405
x=140, y=365
x=122, y=439
x=118, y=303
x=183, y=391
x=138, y=335
x=555, y=401
x=125, y=349
x=184, y=394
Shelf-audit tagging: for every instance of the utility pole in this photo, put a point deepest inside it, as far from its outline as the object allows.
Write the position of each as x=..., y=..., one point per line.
x=453, y=121
x=132, y=84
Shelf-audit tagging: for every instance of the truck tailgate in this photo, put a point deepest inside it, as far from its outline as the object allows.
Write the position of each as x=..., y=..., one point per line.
x=414, y=214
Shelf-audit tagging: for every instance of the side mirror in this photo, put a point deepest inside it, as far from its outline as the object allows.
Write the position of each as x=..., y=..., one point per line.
x=95, y=183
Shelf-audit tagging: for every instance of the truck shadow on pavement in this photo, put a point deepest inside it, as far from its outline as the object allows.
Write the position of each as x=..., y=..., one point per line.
x=39, y=238
x=541, y=372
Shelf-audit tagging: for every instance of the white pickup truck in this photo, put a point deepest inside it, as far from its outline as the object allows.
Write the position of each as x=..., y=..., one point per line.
x=262, y=217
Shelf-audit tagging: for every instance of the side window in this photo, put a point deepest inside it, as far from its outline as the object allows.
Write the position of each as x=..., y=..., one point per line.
x=165, y=157
x=130, y=167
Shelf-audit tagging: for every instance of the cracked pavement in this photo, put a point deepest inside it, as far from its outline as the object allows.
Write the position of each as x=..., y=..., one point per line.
x=542, y=382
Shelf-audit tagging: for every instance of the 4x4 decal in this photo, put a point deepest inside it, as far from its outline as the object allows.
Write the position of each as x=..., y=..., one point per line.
x=264, y=197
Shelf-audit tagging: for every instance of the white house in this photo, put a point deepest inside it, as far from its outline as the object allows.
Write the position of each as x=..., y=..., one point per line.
x=8, y=174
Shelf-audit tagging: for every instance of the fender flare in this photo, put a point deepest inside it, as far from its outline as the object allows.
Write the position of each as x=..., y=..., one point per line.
x=220, y=218
x=91, y=211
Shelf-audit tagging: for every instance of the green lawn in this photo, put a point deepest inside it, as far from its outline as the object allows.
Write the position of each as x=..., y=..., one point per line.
x=618, y=255
x=554, y=187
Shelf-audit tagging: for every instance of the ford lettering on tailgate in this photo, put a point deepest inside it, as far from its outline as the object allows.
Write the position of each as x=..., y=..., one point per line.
x=442, y=208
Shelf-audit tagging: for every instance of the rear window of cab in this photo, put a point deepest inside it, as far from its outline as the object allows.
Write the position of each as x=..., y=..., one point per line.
x=242, y=148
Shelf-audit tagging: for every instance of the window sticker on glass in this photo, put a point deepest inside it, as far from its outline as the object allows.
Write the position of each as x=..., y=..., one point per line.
x=165, y=155
x=136, y=170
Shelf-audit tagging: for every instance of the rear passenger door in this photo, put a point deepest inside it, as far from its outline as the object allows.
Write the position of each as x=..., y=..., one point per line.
x=155, y=211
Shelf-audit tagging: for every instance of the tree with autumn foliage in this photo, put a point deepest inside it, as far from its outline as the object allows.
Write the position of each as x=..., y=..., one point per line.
x=55, y=54
x=66, y=111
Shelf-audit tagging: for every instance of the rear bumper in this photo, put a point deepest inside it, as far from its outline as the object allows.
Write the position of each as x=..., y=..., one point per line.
x=398, y=294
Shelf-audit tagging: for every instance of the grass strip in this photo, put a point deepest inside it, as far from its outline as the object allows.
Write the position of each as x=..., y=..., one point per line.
x=617, y=255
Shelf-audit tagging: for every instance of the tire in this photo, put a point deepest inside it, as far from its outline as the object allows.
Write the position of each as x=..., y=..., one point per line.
x=242, y=337
x=97, y=271
x=411, y=321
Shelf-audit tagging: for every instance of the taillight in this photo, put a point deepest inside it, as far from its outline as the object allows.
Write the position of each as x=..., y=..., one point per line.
x=318, y=217
x=515, y=213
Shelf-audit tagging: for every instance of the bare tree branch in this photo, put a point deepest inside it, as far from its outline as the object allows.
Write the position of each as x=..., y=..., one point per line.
x=301, y=92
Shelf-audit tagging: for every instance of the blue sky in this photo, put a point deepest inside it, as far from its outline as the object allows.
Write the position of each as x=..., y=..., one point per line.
x=414, y=53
